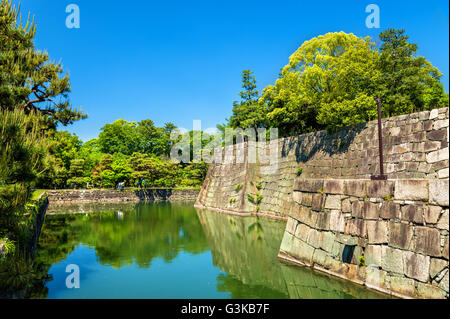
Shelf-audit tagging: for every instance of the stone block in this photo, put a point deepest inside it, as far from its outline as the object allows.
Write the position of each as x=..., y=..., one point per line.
x=302, y=231
x=416, y=266
x=307, y=216
x=437, y=135
x=337, y=221
x=413, y=213
x=356, y=227
x=333, y=202
x=308, y=185
x=377, y=232
x=446, y=247
x=286, y=243
x=400, y=235
x=429, y=291
x=355, y=188
x=439, y=192
x=370, y=210
x=291, y=224
x=392, y=260
x=402, y=285
x=410, y=189
x=317, y=202
x=302, y=251
x=389, y=210
x=297, y=197
x=427, y=241
x=356, y=209
x=307, y=199
x=333, y=186
x=372, y=255
x=375, y=278
x=437, y=156
x=346, y=206
x=380, y=189
x=432, y=213
x=443, y=284
x=437, y=266
x=323, y=221
x=313, y=238
x=327, y=240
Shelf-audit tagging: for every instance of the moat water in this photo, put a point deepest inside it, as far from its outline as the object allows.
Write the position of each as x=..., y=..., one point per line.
x=172, y=250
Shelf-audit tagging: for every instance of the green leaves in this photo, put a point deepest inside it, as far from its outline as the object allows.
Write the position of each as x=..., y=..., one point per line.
x=28, y=79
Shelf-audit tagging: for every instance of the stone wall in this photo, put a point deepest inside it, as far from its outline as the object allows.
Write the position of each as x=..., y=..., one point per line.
x=415, y=146
x=59, y=197
x=392, y=236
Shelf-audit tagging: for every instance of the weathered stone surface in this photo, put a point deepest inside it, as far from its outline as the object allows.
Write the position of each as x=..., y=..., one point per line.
x=337, y=221
x=333, y=202
x=302, y=251
x=286, y=243
x=356, y=227
x=375, y=278
x=308, y=185
x=402, y=285
x=445, y=249
x=380, y=189
x=427, y=241
x=307, y=199
x=346, y=206
x=432, y=213
x=439, y=192
x=372, y=255
x=323, y=221
x=429, y=291
x=376, y=232
x=333, y=186
x=444, y=283
x=370, y=210
x=413, y=213
x=291, y=224
x=356, y=209
x=327, y=240
x=317, y=202
x=437, y=156
x=411, y=189
x=400, y=235
x=355, y=188
x=392, y=260
x=389, y=210
x=436, y=266
x=313, y=238
x=416, y=266
x=302, y=231
x=297, y=197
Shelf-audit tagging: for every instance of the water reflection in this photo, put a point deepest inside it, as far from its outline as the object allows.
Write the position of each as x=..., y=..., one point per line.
x=245, y=248
x=164, y=250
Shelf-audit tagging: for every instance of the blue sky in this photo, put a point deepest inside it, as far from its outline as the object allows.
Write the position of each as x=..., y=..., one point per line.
x=177, y=61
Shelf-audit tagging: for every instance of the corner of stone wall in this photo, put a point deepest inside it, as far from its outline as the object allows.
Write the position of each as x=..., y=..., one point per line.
x=392, y=236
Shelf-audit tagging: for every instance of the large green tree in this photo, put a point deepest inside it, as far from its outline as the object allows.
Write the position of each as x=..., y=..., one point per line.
x=407, y=83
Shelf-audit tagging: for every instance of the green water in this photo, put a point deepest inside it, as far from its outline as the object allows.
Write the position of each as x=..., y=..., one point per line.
x=172, y=250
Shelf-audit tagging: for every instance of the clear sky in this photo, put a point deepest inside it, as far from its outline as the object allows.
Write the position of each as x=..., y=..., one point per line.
x=178, y=61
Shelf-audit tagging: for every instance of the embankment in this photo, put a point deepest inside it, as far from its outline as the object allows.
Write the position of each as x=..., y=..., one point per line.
x=61, y=197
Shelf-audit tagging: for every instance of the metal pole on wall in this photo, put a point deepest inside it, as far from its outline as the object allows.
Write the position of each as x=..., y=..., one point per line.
x=380, y=144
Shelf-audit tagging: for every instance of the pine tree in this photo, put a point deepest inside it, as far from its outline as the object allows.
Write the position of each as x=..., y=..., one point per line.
x=28, y=79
